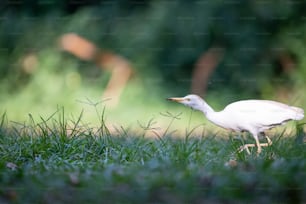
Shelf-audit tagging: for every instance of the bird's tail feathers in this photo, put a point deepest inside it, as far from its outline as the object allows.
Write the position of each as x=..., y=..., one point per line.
x=299, y=113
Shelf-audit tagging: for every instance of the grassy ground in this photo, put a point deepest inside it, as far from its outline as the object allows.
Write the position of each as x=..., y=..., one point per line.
x=57, y=160
x=137, y=153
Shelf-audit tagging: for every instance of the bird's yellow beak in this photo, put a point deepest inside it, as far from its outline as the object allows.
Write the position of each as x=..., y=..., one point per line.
x=179, y=100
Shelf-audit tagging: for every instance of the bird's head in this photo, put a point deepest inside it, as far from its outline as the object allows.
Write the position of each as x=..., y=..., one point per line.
x=193, y=101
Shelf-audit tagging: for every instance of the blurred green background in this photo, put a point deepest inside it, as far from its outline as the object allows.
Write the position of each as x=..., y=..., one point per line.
x=264, y=46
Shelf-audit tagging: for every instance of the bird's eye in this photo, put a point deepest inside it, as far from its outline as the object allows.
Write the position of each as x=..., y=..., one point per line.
x=188, y=99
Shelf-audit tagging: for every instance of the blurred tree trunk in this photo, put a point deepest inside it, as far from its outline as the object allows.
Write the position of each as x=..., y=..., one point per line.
x=204, y=67
x=120, y=67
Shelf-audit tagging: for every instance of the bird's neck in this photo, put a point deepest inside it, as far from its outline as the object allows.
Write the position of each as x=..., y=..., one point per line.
x=206, y=109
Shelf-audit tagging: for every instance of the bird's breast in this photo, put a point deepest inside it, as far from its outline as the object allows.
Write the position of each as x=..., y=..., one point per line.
x=227, y=121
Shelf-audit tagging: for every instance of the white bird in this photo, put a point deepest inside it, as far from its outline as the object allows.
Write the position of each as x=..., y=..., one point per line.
x=254, y=116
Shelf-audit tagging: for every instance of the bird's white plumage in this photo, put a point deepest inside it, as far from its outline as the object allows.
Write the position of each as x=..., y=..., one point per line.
x=261, y=114
x=254, y=116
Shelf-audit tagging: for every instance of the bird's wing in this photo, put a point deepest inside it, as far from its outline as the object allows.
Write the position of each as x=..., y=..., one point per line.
x=264, y=112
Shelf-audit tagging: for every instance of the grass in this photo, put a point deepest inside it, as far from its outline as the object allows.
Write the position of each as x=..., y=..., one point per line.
x=58, y=160
x=133, y=154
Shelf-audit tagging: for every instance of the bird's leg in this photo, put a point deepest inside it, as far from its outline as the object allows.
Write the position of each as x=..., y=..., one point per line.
x=259, y=145
x=243, y=147
x=269, y=140
x=246, y=147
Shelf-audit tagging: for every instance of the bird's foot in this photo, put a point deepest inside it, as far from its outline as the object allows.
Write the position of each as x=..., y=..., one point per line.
x=246, y=146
